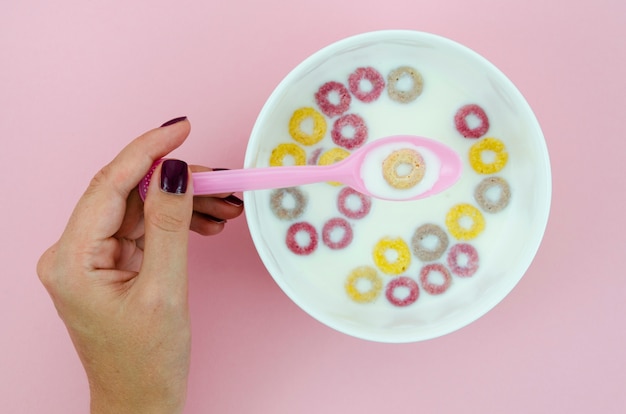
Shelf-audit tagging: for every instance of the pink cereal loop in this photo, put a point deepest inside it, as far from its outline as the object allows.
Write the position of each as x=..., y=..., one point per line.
x=460, y=121
x=375, y=79
x=402, y=281
x=433, y=288
x=292, y=243
x=330, y=226
x=360, y=131
x=328, y=108
x=472, y=260
x=366, y=203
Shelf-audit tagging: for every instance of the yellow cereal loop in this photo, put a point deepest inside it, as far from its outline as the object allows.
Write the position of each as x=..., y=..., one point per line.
x=460, y=232
x=401, y=262
x=367, y=273
x=295, y=126
x=332, y=156
x=282, y=150
x=488, y=144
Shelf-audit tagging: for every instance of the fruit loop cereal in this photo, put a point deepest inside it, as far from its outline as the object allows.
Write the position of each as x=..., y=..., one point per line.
x=402, y=169
x=488, y=144
x=376, y=82
x=365, y=203
x=396, y=265
x=352, y=121
x=327, y=233
x=399, y=158
x=279, y=153
x=277, y=200
x=427, y=254
x=371, y=277
x=295, y=126
x=493, y=206
x=462, y=117
x=396, y=76
x=402, y=282
x=470, y=255
x=294, y=245
x=332, y=156
x=432, y=287
x=457, y=213
x=323, y=99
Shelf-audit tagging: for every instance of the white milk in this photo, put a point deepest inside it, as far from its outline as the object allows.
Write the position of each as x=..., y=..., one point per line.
x=316, y=282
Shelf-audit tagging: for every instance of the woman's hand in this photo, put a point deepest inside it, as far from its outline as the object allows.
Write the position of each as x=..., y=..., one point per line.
x=118, y=275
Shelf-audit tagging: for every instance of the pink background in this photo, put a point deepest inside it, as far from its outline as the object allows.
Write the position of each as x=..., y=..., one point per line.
x=79, y=79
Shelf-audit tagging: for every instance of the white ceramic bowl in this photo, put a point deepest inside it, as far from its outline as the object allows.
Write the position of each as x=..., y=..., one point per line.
x=453, y=76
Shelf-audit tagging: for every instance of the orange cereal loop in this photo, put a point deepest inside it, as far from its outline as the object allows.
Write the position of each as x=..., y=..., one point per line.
x=295, y=126
x=404, y=156
x=400, y=263
x=282, y=150
x=488, y=144
x=332, y=156
x=460, y=211
x=366, y=273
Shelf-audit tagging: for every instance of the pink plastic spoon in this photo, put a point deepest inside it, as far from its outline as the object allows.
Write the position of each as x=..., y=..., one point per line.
x=353, y=171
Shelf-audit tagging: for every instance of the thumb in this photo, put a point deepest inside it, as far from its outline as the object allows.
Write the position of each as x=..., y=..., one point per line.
x=167, y=211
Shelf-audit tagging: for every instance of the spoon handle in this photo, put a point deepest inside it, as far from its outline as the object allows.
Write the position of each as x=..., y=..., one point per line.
x=230, y=181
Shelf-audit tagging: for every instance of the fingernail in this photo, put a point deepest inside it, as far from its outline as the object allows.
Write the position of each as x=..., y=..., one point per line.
x=220, y=169
x=174, y=121
x=214, y=219
x=233, y=201
x=174, y=175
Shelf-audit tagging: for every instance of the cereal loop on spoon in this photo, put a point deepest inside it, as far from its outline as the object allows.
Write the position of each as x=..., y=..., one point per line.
x=404, y=157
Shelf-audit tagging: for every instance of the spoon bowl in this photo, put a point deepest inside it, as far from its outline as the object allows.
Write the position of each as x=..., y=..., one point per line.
x=362, y=170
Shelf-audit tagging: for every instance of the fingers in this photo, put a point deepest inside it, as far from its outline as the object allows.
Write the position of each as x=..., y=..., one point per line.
x=211, y=213
x=100, y=212
x=168, y=210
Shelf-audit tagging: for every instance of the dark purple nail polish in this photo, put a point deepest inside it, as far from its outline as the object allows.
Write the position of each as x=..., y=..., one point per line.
x=233, y=200
x=174, y=121
x=174, y=175
x=220, y=169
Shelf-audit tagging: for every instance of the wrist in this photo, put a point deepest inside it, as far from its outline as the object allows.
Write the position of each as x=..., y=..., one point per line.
x=136, y=403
